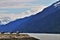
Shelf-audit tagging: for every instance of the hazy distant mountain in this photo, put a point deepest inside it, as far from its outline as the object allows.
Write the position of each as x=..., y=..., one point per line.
x=4, y=20
x=46, y=21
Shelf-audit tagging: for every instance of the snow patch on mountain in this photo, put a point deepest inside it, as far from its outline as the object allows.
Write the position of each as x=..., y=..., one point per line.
x=4, y=20
x=57, y=4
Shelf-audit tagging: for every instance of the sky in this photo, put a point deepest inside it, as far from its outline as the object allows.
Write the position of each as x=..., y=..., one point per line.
x=19, y=6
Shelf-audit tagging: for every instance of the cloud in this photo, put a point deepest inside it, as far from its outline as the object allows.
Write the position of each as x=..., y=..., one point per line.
x=33, y=11
x=16, y=0
x=3, y=11
x=16, y=3
x=19, y=10
x=23, y=3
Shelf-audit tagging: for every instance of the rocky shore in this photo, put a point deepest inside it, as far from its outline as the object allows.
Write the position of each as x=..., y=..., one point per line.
x=16, y=37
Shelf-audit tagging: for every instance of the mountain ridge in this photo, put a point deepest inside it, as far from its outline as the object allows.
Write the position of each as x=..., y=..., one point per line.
x=46, y=21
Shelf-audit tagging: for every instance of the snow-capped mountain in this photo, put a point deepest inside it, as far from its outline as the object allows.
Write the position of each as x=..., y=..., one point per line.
x=47, y=21
x=57, y=4
x=4, y=20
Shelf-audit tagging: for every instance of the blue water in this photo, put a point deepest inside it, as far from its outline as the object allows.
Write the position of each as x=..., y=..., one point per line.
x=13, y=10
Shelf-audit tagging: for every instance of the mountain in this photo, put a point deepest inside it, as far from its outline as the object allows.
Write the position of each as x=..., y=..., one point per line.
x=4, y=20
x=47, y=21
